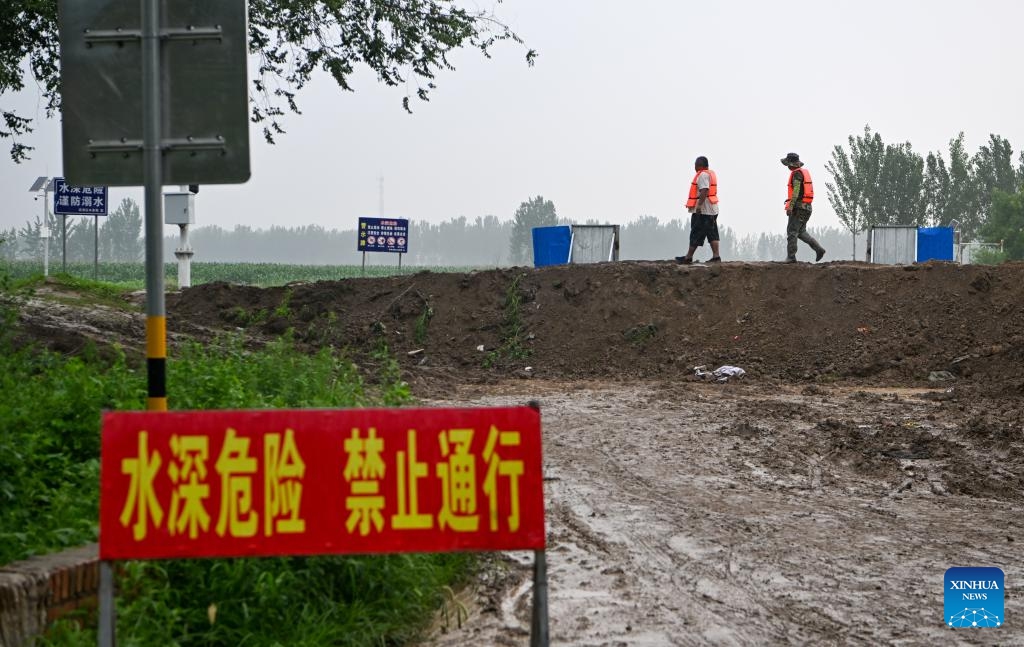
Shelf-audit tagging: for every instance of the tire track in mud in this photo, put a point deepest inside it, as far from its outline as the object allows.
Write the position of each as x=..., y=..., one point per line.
x=666, y=555
x=660, y=534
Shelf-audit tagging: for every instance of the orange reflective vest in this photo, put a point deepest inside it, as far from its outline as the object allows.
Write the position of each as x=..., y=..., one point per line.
x=808, y=188
x=691, y=202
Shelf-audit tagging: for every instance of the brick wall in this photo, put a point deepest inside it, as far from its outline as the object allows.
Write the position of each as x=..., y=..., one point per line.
x=37, y=591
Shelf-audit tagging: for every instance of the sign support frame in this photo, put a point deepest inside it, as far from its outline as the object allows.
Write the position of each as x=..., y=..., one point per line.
x=106, y=629
x=540, y=634
x=156, y=320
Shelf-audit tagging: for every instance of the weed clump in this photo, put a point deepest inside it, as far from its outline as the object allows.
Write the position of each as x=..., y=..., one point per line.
x=513, y=329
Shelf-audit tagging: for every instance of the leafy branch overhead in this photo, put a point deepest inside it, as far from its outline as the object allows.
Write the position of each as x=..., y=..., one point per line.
x=401, y=41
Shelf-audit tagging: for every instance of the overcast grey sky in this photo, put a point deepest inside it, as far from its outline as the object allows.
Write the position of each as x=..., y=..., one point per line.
x=623, y=96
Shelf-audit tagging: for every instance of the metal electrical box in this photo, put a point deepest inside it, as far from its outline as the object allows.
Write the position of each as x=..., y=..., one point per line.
x=179, y=208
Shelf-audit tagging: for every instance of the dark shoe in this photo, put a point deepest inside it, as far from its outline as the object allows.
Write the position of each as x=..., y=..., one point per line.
x=789, y=260
x=715, y=259
x=820, y=254
x=684, y=260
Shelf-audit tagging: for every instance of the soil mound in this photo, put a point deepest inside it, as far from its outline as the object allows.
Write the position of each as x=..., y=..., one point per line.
x=793, y=322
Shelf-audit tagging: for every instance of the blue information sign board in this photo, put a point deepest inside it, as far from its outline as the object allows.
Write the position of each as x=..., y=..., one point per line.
x=383, y=235
x=78, y=200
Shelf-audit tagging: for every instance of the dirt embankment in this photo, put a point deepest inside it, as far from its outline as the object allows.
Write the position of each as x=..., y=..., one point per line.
x=657, y=319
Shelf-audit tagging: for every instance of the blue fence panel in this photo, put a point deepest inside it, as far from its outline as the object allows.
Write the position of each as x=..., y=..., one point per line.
x=934, y=244
x=551, y=245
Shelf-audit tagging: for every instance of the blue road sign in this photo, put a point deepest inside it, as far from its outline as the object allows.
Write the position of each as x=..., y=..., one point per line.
x=383, y=235
x=78, y=200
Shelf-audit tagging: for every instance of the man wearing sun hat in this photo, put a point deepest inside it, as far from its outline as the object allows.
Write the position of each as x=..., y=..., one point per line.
x=800, y=195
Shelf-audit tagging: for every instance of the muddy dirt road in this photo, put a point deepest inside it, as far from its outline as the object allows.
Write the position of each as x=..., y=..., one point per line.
x=739, y=514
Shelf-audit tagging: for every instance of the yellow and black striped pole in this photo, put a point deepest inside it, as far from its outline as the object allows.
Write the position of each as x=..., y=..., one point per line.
x=152, y=170
x=156, y=362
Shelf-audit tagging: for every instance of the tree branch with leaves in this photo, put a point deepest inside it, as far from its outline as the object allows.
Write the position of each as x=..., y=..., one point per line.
x=401, y=41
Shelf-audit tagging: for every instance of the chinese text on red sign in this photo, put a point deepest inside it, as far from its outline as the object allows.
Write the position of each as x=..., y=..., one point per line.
x=278, y=482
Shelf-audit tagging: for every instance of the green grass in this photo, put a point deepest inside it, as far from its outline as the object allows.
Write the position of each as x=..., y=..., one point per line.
x=77, y=291
x=50, y=419
x=132, y=276
x=49, y=448
x=284, y=601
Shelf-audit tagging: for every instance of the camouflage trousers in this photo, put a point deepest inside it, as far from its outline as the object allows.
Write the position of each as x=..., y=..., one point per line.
x=796, y=229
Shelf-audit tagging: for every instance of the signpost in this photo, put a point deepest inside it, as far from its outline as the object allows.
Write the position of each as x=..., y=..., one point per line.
x=142, y=103
x=80, y=201
x=383, y=235
x=308, y=482
x=153, y=92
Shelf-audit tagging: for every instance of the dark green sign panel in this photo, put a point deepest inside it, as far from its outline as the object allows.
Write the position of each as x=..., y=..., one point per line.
x=204, y=91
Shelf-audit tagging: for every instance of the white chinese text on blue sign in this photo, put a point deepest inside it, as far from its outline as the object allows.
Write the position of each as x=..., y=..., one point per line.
x=78, y=200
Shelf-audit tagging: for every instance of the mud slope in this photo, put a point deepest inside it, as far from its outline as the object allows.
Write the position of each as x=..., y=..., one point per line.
x=647, y=319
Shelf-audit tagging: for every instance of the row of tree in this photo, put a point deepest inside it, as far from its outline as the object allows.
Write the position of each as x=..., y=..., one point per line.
x=483, y=241
x=119, y=237
x=875, y=183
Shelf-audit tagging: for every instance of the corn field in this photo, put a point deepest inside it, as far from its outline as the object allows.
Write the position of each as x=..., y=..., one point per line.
x=133, y=275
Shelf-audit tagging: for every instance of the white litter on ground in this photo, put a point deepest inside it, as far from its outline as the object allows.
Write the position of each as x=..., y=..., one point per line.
x=720, y=374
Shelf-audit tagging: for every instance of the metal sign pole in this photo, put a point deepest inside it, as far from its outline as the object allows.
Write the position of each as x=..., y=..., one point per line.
x=64, y=243
x=152, y=132
x=105, y=631
x=363, y=273
x=96, y=249
x=539, y=632
x=399, y=262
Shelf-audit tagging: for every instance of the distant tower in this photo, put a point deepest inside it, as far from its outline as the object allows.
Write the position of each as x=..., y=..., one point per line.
x=380, y=196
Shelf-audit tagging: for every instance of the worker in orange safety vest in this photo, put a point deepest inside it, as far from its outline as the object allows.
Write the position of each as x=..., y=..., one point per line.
x=799, y=197
x=702, y=203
